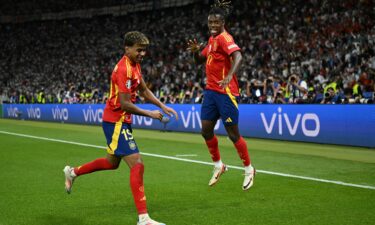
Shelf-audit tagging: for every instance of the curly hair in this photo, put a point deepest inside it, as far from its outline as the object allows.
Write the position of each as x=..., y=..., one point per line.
x=135, y=37
x=221, y=7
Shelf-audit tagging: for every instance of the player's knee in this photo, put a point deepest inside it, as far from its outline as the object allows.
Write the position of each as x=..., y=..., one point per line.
x=112, y=162
x=207, y=135
x=234, y=138
x=115, y=166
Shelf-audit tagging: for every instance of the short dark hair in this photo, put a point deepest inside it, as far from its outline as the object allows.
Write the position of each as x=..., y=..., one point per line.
x=135, y=37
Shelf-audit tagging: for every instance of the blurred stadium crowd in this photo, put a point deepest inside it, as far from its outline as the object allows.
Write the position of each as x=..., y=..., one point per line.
x=302, y=51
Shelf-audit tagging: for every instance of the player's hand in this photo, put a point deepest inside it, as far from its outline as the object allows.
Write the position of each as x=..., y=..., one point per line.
x=225, y=82
x=169, y=111
x=156, y=114
x=194, y=46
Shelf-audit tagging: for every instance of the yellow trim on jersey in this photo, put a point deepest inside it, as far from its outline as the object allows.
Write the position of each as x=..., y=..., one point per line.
x=232, y=98
x=227, y=37
x=116, y=93
x=128, y=69
x=116, y=133
x=110, y=90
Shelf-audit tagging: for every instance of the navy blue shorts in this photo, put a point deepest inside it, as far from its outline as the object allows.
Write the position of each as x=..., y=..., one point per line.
x=120, y=139
x=216, y=105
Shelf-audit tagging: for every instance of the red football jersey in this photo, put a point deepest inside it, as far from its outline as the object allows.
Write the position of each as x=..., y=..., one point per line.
x=218, y=63
x=125, y=79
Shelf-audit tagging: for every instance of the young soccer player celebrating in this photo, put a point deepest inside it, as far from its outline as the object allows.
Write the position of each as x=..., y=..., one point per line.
x=223, y=58
x=126, y=81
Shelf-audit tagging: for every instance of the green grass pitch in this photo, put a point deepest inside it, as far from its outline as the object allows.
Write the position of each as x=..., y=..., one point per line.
x=32, y=182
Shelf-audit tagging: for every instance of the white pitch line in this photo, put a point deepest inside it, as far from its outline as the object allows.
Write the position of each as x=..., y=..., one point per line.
x=187, y=155
x=197, y=161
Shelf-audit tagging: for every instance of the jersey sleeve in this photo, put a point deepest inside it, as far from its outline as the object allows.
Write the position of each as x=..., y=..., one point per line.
x=227, y=44
x=205, y=51
x=123, y=80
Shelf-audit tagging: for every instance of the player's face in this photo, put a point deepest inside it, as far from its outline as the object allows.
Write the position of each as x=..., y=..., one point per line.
x=136, y=52
x=215, y=24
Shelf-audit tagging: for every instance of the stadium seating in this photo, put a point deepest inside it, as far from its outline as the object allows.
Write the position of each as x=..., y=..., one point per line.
x=279, y=39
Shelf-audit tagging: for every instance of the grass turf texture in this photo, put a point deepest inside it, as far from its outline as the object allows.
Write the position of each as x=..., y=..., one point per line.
x=32, y=190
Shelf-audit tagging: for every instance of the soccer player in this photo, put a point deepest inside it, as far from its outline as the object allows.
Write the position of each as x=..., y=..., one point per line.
x=126, y=81
x=223, y=58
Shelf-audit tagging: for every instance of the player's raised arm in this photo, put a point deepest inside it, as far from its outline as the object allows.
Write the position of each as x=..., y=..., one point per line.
x=195, y=47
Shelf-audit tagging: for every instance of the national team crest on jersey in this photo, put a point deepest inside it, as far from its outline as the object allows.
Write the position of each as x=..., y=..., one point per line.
x=128, y=84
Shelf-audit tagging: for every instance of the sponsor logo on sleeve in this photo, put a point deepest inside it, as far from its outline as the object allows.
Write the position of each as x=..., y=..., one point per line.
x=232, y=46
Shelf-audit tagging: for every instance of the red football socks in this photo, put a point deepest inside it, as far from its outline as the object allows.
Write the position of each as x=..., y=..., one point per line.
x=96, y=165
x=241, y=147
x=213, y=148
x=136, y=185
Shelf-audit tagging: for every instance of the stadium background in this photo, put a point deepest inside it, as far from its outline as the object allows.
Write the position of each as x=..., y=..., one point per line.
x=77, y=43
x=63, y=53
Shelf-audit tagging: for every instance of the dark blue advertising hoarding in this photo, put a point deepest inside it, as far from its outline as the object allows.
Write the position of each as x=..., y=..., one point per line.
x=333, y=124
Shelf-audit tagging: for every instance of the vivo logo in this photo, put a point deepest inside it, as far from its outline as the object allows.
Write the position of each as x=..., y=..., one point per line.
x=13, y=112
x=142, y=119
x=34, y=113
x=91, y=115
x=192, y=119
x=60, y=114
x=292, y=126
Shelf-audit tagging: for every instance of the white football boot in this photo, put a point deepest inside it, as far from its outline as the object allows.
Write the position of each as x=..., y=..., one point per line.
x=217, y=172
x=148, y=221
x=249, y=179
x=69, y=178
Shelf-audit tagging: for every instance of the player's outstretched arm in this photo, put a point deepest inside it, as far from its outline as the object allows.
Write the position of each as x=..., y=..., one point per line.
x=128, y=106
x=150, y=97
x=195, y=47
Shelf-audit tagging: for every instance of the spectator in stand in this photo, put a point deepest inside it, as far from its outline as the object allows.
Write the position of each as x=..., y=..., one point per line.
x=302, y=37
x=270, y=89
x=296, y=89
x=330, y=97
x=254, y=90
